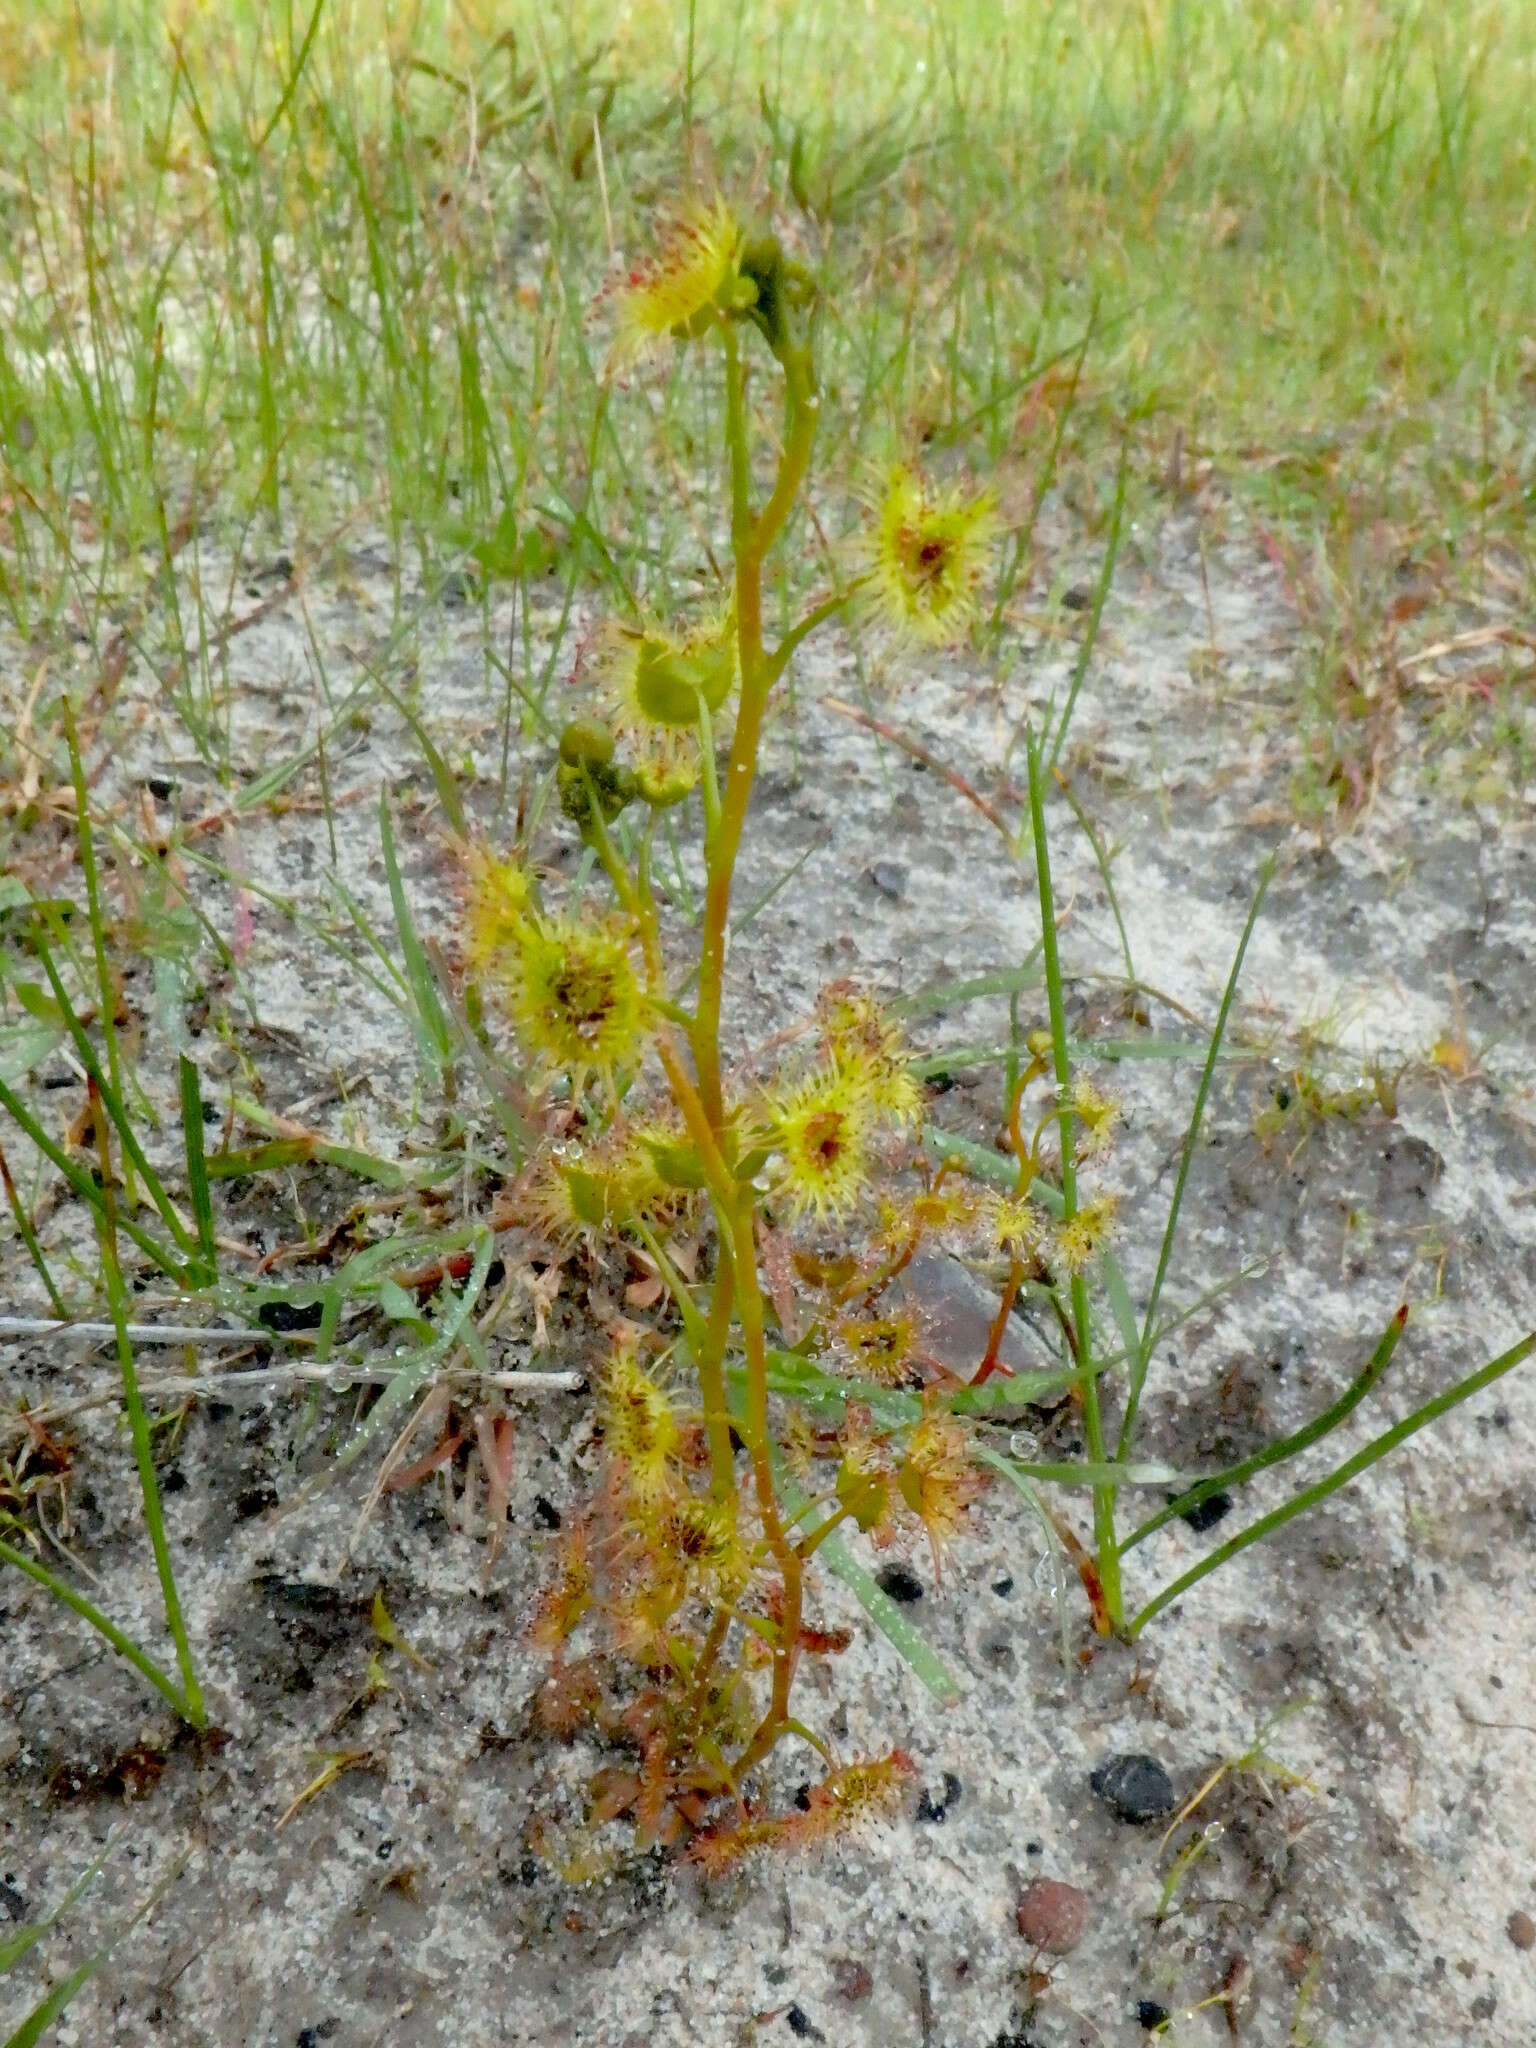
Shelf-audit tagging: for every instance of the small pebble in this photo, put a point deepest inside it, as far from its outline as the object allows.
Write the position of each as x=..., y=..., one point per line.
x=890, y=879
x=1150, y=2014
x=851, y=1979
x=900, y=1583
x=1002, y=1587
x=1134, y=1788
x=1205, y=1514
x=929, y=1808
x=1053, y=1916
x=1521, y=1929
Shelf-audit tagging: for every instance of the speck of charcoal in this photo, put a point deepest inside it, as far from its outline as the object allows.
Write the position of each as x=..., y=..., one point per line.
x=1205, y=1514
x=1002, y=1587
x=1134, y=1788
x=800, y=2022
x=1150, y=2014
x=900, y=1583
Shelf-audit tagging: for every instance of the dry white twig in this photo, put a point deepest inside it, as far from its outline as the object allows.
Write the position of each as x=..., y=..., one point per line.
x=138, y=1333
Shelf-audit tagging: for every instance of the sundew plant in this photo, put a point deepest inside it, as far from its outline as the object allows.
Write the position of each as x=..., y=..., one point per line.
x=780, y=1404
x=679, y=1613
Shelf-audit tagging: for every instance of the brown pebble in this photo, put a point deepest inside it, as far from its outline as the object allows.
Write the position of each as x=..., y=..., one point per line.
x=851, y=1979
x=1521, y=1929
x=1053, y=1915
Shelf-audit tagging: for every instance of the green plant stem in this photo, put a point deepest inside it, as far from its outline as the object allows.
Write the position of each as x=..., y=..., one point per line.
x=1108, y=1560
x=29, y=1238
x=711, y=1369
x=1375, y=1450
x=749, y=1315
x=751, y=539
x=829, y=608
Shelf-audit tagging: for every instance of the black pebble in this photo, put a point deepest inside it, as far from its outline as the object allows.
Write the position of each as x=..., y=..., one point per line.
x=286, y=1315
x=929, y=1808
x=800, y=2023
x=1205, y=1514
x=161, y=786
x=12, y=1902
x=900, y=1582
x=1150, y=2014
x=1134, y=1788
x=1002, y=1588
x=546, y=1513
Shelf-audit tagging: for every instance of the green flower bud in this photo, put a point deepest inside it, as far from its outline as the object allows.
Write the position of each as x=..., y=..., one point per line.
x=593, y=786
x=585, y=741
x=670, y=683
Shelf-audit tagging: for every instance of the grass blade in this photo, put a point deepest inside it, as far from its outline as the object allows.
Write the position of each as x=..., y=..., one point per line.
x=883, y=1611
x=83, y=1186
x=124, y=1644
x=197, y=1165
x=1273, y=1454
x=1372, y=1453
x=404, y=1386
x=15, y=1946
x=191, y=1706
x=1004, y=982
x=29, y=1237
x=433, y=1034
x=1143, y=1358
x=1095, y=614
x=43, y=2015
x=111, y=1100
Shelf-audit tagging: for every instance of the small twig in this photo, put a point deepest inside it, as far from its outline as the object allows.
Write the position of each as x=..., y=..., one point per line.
x=342, y=1375
x=138, y=1333
x=929, y=759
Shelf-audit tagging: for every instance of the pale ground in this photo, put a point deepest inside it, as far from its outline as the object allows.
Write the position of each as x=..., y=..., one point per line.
x=1393, y=1628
